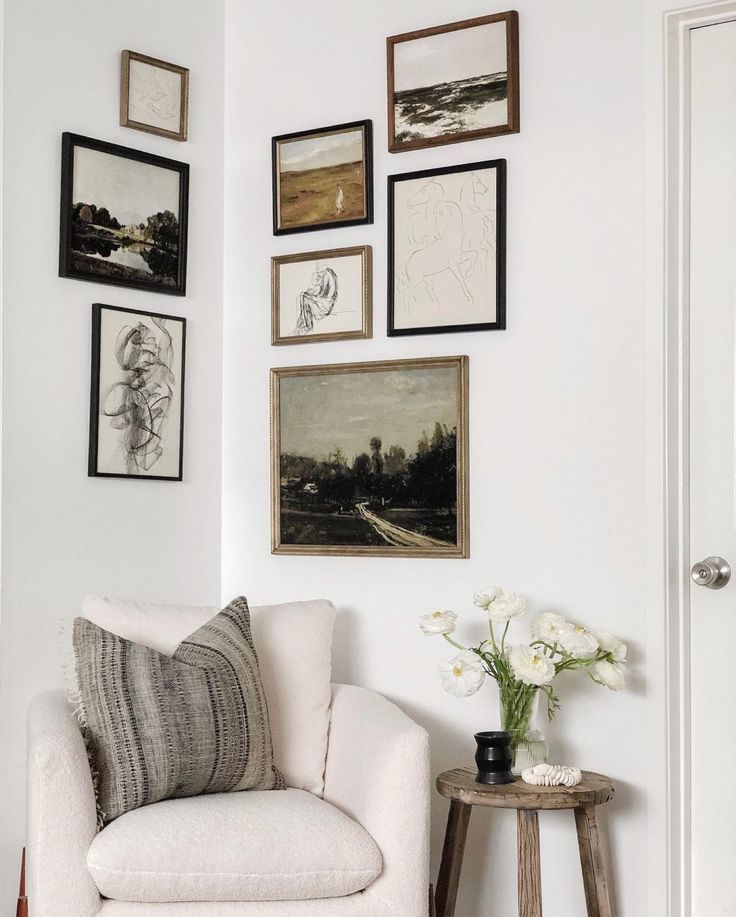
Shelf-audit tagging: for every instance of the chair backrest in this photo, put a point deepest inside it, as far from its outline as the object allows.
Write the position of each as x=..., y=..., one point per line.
x=293, y=642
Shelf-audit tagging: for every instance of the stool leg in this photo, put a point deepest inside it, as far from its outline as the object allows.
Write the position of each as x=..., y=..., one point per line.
x=530, y=869
x=452, y=858
x=595, y=880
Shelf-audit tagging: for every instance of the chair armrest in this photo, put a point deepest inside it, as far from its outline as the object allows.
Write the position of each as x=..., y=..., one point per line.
x=378, y=772
x=61, y=813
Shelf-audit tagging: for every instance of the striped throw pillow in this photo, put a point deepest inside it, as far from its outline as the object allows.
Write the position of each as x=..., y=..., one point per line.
x=159, y=727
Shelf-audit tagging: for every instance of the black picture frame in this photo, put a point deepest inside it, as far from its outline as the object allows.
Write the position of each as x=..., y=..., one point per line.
x=499, y=324
x=95, y=394
x=367, y=127
x=67, y=267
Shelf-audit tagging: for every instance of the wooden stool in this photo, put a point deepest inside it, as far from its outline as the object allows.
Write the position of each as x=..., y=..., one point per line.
x=460, y=787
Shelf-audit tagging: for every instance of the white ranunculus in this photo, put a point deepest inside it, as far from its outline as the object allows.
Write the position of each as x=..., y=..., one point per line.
x=549, y=627
x=612, y=645
x=438, y=622
x=483, y=597
x=531, y=666
x=463, y=675
x=608, y=674
x=506, y=606
x=579, y=643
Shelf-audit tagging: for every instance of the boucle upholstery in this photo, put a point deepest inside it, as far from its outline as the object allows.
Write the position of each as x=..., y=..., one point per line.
x=255, y=846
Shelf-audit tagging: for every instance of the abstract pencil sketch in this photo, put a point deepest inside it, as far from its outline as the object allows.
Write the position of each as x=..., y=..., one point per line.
x=445, y=249
x=318, y=300
x=318, y=294
x=139, y=391
x=154, y=96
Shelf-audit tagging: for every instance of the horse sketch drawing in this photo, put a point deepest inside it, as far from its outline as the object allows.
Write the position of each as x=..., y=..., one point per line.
x=448, y=244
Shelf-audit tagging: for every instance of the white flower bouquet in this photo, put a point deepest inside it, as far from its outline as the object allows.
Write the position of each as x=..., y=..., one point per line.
x=522, y=671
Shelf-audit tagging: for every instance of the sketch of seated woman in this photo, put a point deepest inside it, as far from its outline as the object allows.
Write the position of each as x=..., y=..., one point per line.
x=318, y=300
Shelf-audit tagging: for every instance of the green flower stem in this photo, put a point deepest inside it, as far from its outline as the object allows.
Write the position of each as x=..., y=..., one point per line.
x=458, y=646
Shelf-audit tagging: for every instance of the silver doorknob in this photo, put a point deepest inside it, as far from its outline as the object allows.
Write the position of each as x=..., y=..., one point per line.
x=713, y=572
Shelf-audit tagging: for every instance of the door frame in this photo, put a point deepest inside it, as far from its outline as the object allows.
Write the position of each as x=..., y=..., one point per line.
x=676, y=465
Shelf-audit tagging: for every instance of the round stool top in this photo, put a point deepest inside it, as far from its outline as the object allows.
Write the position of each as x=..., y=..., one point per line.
x=460, y=784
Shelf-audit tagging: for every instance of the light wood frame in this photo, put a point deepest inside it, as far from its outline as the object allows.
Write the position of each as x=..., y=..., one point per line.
x=366, y=328
x=462, y=547
x=512, y=126
x=125, y=120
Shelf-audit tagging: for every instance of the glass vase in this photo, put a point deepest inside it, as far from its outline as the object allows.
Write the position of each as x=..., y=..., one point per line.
x=519, y=710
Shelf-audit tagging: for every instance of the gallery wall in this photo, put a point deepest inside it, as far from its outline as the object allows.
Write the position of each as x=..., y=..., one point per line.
x=65, y=534
x=557, y=425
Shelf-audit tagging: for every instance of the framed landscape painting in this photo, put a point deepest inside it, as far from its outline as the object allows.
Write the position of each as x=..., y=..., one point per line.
x=453, y=82
x=447, y=249
x=323, y=178
x=154, y=96
x=137, y=394
x=371, y=458
x=322, y=296
x=123, y=216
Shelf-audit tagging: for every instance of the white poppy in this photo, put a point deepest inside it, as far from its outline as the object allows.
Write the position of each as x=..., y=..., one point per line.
x=506, y=606
x=531, y=666
x=608, y=674
x=549, y=627
x=483, y=597
x=463, y=675
x=579, y=643
x=438, y=622
x=612, y=645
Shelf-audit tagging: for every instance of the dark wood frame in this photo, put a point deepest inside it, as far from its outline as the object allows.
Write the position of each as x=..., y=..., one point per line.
x=68, y=145
x=500, y=323
x=125, y=121
x=512, y=126
x=461, y=548
x=367, y=128
x=94, y=403
x=366, y=329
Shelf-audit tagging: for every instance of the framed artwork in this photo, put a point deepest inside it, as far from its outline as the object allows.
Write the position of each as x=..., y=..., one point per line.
x=123, y=216
x=447, y=249
x=323, y=178
x=371, y=458
x=322, y=296
x=154, y=96
x=453, y=82
x=136, y=427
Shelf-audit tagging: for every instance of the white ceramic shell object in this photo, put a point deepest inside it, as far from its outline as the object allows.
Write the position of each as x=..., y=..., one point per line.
x=552, y=775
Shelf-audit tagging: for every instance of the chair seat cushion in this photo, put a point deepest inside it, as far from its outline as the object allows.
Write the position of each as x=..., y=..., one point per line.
x=254, y=846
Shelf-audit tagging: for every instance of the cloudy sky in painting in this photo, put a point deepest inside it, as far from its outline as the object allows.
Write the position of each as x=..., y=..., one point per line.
x=130, y=190
x=322, y=150
x=319, y=413
x=450, y=56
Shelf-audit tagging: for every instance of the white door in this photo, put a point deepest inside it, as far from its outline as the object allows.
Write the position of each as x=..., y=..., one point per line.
x=713, y=464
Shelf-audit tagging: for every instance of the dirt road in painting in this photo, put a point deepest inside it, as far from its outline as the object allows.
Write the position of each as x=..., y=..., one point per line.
x=313, y=195
x=395, y=535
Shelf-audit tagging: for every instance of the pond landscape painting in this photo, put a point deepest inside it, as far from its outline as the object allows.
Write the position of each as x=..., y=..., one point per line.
x=322, y=178
x=454, y=82
x=123, y=217
x=371, y=458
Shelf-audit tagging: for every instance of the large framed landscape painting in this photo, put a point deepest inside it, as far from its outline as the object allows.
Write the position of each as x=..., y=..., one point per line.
x=123, y=216
x=322, y=296
x=447, y=249
x=323, y=178
x=371, y=458
x=453, y=82
x=137, y=394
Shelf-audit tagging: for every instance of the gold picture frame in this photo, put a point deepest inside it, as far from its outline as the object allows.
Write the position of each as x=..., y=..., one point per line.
x=329, y=499
x=322, y=291
x=164, y=112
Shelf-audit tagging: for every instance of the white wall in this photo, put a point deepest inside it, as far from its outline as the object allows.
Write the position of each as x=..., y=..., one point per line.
x=64, y=534
x=557, y=403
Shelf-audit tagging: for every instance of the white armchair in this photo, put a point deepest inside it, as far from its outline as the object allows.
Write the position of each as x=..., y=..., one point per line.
x=354, y=844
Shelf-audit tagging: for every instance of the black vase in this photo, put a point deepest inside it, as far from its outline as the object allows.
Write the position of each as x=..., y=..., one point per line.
x=494, y=757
